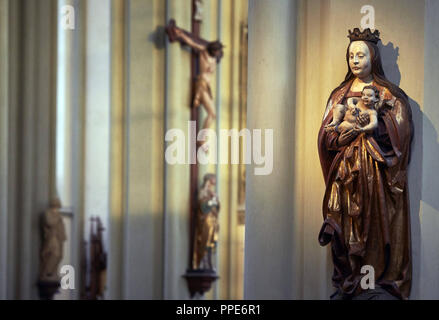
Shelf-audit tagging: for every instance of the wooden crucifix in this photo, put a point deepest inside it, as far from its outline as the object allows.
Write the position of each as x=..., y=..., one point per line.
x=205, y=56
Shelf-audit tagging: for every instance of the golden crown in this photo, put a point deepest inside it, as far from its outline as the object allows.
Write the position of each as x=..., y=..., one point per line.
x=366, y=35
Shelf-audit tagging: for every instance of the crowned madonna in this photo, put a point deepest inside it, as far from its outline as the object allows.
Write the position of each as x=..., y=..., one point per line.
x=366, y=206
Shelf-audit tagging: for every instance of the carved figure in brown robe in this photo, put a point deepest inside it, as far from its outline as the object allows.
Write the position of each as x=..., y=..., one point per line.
x=206, y=228
x=366, y=203
x=54, y=235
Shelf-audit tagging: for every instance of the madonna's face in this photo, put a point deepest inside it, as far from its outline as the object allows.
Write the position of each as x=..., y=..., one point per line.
x=359, y=59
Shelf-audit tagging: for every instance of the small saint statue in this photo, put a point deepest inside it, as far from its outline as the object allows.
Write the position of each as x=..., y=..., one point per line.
x=54, y=235
x=206, y=225
x=210, y=53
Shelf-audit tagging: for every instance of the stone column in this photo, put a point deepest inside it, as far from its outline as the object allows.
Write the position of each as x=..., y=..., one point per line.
x=272, y=248
x=4, y=21
x=70, y=130
x=176, y=177
x=424, y=231
x=28, y=112
x=96, y=122
x=117, y=151
x=144, y=94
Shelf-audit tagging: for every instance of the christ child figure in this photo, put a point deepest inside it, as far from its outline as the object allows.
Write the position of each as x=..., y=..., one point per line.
x=345, y=117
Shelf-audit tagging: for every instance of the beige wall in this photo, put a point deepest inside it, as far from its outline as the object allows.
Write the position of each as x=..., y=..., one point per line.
x=151, y=198
x=123, y=85
x=321, y=66
x=426, y=229
x=230, y=255
x=4, y=62
x=27, y=108
x=149, y=80
x=272, y=259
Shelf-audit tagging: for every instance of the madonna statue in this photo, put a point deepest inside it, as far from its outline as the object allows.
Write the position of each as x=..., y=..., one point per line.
x=366, y=202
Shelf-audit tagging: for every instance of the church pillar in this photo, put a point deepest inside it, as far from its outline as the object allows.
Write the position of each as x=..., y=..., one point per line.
x=424, y=231
x=97, y=101
x=4, y=127
x=143, y=164
x=229, y=91
x=28, y=110
x=68, y=167
x=272, y=244
x=176, y=177
x=117, y=151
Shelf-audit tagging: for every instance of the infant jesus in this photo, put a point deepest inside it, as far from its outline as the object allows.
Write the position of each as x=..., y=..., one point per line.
x=345, y=117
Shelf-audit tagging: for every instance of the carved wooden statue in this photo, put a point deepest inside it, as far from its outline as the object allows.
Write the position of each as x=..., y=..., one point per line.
x=345, y=117
x=210, y=53
x=206, y=228
x=54, y=235
x=98, y=262
x=365, y=206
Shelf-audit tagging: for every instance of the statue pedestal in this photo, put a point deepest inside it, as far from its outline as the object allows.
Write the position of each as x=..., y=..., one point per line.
x=47, y=289
x=200, y=280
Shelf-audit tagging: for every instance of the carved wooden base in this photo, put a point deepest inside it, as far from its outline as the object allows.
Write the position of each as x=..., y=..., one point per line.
x=200, y=280
x=47, y=289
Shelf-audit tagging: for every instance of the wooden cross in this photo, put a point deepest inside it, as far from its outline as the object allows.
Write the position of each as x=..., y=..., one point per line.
x=198, y=280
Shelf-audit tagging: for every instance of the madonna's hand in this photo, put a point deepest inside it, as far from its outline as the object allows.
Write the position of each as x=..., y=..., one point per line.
x=363, y=119
x=346, y=137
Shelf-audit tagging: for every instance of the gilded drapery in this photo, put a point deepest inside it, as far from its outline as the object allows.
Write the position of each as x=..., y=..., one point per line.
x=365, y=207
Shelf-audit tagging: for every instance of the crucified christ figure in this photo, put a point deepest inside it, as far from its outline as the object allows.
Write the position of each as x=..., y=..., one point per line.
x=210, y=53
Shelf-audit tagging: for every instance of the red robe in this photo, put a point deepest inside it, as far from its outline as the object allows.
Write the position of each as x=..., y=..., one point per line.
x=366, y=204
